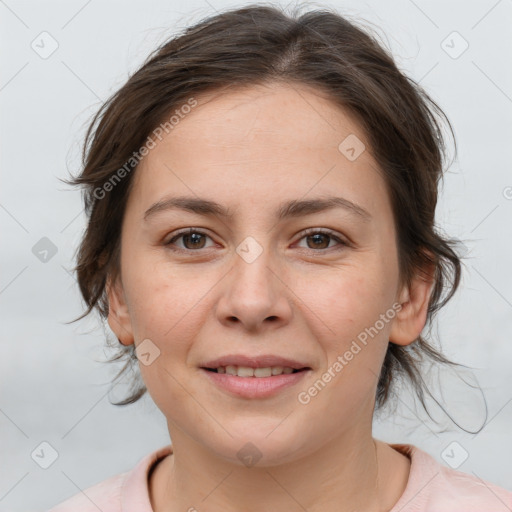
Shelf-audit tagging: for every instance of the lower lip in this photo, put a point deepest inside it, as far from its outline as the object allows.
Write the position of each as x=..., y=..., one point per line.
x=254, y=387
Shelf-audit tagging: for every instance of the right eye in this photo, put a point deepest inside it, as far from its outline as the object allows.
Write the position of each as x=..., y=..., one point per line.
x=193, y=239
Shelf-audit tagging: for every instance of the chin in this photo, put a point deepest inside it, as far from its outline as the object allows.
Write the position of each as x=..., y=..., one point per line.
x=261, y=445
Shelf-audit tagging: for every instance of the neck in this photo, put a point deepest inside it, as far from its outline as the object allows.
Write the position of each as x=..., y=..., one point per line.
x=345, y=474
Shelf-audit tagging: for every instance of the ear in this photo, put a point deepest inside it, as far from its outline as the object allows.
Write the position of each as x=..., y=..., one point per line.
x=411, y=319
x=118, y=314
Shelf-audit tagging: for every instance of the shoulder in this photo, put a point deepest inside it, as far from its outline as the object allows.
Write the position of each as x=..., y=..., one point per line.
x=433, y=486
x=123, y=492
x=105, y=496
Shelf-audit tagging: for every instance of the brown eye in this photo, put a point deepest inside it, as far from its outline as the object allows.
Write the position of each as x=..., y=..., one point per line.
x=196, y=241
x=321, y=239
x=192, y=239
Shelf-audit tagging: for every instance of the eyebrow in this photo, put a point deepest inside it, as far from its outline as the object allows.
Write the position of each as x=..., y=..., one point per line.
x=293, y=208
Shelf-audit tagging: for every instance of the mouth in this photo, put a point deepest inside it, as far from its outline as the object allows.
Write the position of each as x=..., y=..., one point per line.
x=247, y=371
x=254, y=383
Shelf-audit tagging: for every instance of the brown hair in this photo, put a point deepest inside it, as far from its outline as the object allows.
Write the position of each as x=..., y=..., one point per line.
x=260, y=44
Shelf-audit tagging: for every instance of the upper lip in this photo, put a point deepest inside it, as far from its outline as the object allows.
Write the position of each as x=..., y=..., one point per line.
x=261, y=361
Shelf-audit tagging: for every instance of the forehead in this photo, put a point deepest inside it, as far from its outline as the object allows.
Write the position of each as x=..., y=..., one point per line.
x=279, y=115
x=254, y=143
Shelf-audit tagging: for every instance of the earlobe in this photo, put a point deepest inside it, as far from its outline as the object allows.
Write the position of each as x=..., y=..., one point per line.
x=118, y=314
x=412, y=317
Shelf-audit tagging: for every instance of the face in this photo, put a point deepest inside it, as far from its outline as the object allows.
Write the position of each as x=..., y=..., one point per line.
x=255, y=278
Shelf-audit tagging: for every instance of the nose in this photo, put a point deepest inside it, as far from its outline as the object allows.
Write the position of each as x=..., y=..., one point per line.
x=255, y=295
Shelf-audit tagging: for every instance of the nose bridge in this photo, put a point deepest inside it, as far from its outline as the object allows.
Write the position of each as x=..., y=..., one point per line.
x=253, y=291
x=253, y=268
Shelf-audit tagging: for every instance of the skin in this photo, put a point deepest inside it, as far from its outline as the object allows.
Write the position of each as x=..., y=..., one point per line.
x=305, y=298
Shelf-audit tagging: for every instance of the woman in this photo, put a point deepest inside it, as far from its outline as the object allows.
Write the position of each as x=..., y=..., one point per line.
x=261, y=197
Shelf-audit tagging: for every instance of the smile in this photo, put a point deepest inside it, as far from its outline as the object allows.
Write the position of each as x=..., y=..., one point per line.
x=247, y=382
x=247, y=371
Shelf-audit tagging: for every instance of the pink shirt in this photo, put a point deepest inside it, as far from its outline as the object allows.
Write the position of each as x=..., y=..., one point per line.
x=431, y=487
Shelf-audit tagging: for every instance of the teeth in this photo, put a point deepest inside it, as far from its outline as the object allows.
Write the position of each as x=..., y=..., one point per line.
x=231, y=370
x=245, y=371
x=263, y=372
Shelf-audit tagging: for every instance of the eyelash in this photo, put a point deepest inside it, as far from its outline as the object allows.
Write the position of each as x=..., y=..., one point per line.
x=306, y=233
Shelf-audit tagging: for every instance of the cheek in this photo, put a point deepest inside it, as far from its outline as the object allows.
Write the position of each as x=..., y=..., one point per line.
x=348, y=309
x=166, y=310
x=164, y=298
x=348, y=298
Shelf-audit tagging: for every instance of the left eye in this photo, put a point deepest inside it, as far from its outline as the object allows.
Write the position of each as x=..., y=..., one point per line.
x=318, y=238
x=194, y=239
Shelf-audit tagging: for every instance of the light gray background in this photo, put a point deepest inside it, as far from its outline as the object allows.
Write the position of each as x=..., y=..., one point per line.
x=52, y=387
